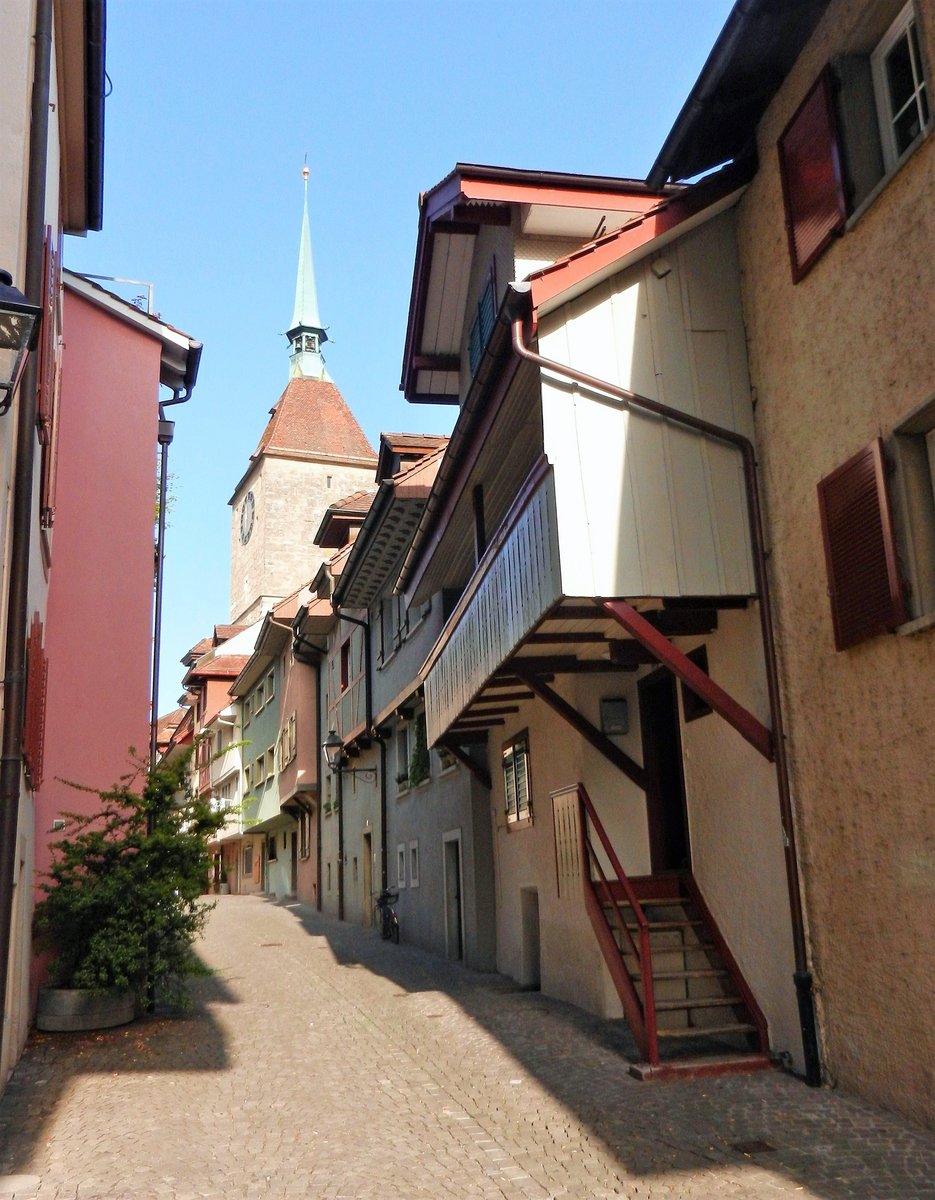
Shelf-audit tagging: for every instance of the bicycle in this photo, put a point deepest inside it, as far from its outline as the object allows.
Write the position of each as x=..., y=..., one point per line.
x=387, y=917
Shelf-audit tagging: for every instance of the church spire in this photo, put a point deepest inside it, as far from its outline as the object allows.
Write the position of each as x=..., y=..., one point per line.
x=306, y=334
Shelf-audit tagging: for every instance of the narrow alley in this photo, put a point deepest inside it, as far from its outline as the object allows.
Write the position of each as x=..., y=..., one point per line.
x=320, y=1062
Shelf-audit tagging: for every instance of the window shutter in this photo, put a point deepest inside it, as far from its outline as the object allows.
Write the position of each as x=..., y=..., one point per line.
x=860, y=552
x=810, y=165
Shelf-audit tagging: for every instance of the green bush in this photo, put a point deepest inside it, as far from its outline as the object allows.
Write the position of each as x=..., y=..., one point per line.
x=122, y=901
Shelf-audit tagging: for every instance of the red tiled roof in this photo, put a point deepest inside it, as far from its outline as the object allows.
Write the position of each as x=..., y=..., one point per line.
x=312, y=417
x=224, y=633
x=221, y=666
x=197, y=651
x=417, y=441
x=167, y=724
x=359, y=502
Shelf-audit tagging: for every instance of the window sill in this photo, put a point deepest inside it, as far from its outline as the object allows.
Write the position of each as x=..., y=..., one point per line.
x=874, y=194
x=917, y=625
x=519, y=822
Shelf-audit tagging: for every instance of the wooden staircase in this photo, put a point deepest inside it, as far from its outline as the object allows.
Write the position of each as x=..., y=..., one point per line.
x=706, y=1019
x=684, y=997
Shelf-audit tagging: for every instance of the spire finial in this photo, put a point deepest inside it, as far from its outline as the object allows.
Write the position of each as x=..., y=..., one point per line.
x=306, y=334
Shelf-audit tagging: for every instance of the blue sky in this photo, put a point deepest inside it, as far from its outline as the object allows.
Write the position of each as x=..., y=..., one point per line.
x=213, y=109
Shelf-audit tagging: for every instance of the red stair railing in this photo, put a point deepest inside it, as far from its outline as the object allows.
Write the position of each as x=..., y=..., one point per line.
x=640, y=1011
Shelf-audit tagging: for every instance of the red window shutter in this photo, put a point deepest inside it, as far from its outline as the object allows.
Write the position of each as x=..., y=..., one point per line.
x=37, y=671
x=860, y=550
x=812, y=187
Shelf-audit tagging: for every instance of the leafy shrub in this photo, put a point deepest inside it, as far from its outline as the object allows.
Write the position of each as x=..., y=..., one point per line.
x=122, y=901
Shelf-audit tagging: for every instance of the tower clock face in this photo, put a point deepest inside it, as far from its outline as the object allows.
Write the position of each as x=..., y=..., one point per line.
x=247, y=510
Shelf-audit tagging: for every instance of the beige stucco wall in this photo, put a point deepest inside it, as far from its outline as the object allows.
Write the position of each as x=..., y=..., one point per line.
x=735, y=831
x=291, y=496
x=835, y=361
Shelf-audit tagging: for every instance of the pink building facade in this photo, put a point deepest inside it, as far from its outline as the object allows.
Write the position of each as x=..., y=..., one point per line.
x=98, y=635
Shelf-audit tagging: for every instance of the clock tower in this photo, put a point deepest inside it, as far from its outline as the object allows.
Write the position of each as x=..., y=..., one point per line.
x=312, y=453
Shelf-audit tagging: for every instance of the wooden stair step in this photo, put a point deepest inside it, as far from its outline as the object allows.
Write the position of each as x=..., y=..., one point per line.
x=701, y=1031
x=688, y=1002
x=661, y=926
x=695, y=973
x=678, y=948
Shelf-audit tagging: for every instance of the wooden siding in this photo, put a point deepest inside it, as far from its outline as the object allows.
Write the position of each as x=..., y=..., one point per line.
x=645, y=507
x=513, y=587
x=347, y=706
x=565, y=815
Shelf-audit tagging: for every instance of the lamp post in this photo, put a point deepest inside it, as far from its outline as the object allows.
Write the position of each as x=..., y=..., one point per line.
x=336, y=758
x=19, y=323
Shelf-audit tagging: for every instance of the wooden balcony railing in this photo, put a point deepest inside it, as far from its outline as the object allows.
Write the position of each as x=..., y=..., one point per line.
x=516, y=582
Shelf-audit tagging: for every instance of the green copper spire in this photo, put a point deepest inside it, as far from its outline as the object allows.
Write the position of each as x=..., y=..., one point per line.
x=306, y=334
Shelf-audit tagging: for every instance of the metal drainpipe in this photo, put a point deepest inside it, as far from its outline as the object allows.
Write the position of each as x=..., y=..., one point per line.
x=164, y=438
x=14, y=682
x=518, y=305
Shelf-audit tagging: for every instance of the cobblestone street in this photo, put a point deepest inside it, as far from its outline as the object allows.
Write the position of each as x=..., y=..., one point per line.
x=321, y=1062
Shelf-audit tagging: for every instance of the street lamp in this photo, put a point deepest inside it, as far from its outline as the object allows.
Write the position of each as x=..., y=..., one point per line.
x=19, y=323
x=334, y=753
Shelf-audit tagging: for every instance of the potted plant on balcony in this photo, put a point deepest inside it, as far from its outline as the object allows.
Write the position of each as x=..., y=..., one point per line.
x=122, y=901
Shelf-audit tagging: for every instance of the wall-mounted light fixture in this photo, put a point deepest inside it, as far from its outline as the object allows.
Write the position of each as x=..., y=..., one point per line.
x=19, y=324
x=334, y=753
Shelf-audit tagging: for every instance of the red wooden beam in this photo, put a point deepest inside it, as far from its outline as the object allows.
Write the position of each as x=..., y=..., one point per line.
x=746, y=724
x=610, y=750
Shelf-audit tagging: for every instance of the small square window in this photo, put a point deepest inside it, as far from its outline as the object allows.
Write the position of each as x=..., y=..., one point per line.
x=516, y=778
x=692, y=704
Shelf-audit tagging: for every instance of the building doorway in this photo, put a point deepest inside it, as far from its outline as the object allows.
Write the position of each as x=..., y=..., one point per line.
x=454, y=918
x=530, y=971
x=662, y=761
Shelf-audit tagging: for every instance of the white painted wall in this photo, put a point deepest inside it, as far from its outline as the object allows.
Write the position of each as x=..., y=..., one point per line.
x=646, y=508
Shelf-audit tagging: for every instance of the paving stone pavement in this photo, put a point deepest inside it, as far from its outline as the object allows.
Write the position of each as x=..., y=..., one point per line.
x=320, y=1062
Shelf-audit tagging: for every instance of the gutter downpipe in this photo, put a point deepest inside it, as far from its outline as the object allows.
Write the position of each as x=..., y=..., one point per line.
x=517, y=308
x=368, y=721
x=165, y=433
x=14, y=682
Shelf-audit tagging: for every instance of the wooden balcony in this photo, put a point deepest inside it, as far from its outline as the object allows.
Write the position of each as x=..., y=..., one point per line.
x=516, y=583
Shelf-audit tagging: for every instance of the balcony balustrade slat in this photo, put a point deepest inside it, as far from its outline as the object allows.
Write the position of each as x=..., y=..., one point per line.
x=520, y=584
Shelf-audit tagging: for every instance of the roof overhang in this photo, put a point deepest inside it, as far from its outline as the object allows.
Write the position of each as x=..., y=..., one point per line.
x=377, y=554
x=80, y=35
x=599, y=260
x=753, y=54
x=542, y=203
x=180, y=354
x=272, y=640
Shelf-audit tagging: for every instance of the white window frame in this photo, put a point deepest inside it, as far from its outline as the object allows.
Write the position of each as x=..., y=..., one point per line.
x=518, y=808
x=414, y=863
x=401, y=866
x=904, y=27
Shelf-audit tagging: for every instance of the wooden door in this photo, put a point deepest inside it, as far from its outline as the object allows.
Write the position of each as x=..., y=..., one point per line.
x=662, y=759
